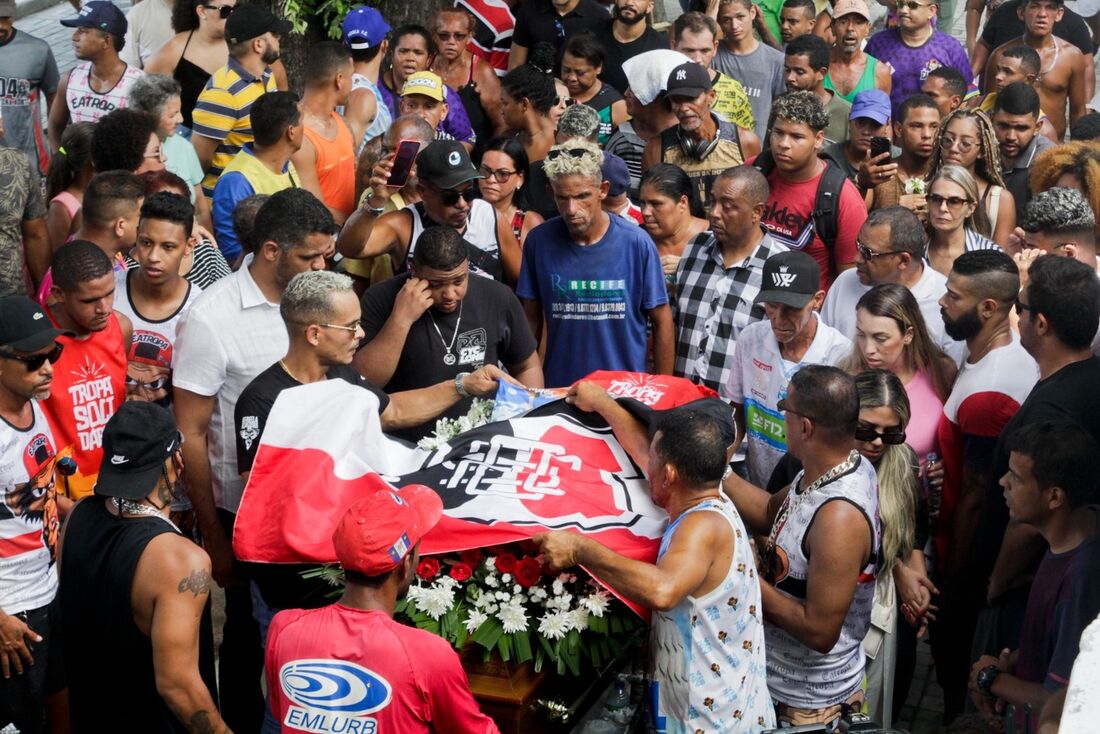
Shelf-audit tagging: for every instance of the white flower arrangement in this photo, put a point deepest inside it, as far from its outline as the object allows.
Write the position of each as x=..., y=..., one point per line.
x=480, y=413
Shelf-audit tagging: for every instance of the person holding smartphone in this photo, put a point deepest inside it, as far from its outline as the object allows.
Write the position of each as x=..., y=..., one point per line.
x=868, y=125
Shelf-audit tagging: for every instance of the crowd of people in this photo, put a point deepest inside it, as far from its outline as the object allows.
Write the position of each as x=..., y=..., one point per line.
x=874, y=241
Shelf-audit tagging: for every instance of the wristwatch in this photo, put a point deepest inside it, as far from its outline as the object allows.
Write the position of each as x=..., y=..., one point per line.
x=376, y=211
x=459, y=387
x=986, y=676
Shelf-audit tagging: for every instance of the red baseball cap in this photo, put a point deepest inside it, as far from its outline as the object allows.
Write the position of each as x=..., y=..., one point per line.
x=376, y=533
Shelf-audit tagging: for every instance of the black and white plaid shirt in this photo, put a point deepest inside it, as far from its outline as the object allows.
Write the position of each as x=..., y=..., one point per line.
x=714, y=304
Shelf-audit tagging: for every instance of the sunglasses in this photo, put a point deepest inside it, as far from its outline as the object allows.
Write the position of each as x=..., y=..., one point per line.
x=450, y=197
x=223, y=10
x=158, y=384
x=1021, y=307
x=34, y=362
x=868, y=254
x=786, y=407
x=891, y=436
x=444, y=36
x=556, y=153
x=953, y=202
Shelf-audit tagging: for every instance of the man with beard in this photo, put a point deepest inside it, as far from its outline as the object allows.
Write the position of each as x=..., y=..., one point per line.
x=101, y=81
x=28, y=515
x=891, y=248
x=445, y=183
x=1016, y=117
x=701, y=143
x=90, y=376
x=154, y=296
x=993, y=381
x=230, y=334
x=221, y=117
x=626, y=35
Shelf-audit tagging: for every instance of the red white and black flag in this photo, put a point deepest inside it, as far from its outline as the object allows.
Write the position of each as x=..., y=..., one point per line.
x=554, y=468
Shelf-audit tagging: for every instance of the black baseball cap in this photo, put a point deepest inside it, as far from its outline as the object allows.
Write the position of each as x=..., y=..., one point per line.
x=24, y=326
x=101, y=15
x=688, y=80
x=791, y=278
x=445, y=164
x=252, y=21
x=136, y=441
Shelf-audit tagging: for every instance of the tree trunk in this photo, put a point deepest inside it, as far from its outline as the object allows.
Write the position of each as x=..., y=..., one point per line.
x=295, y=47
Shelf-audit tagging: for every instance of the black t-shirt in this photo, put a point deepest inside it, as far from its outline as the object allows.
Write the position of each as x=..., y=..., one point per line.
x=536, y=195
x=281, y=584
x=491, y=328
x=618, y=52
x=1005, y=25
x=1070, y=393
x=538, y=21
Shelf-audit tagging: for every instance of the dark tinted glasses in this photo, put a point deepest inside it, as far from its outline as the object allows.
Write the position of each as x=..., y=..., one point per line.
x=892, y=436
x=35, y=361
x=556, y=153
x=450, y=197
x=223, y=10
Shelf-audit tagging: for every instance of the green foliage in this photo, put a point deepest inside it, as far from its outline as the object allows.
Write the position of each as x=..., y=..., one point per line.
x=328, y=14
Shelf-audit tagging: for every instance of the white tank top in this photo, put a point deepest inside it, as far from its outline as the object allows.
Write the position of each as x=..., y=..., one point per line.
x=481, y=234
x=87, y=105
x=709, y=669
x=382, y=118
x=153, y=340
x=797, y=675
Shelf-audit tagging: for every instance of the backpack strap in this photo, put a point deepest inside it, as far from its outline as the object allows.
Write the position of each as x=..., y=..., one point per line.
x=827, y=204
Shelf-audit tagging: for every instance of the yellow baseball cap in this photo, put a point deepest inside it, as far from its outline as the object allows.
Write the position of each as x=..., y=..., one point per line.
x=425, y=83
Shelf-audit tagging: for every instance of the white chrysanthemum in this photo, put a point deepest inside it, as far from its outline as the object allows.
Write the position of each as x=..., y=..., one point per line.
x=558, y=586
x=578, y=619
x=434, y=601
x=554, y=625
x=512, y=617
x=596, y=603
x=475, y=619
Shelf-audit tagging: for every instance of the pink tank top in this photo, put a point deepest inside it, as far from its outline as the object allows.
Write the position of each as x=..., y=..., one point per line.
x=926, y=408
x=71, y=203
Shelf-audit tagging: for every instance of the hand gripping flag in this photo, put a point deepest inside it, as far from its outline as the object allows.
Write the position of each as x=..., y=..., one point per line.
x=554, y=468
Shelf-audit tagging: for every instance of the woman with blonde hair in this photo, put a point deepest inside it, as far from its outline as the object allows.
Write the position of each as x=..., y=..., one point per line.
x=1073, y=166
x=954, y=217
x=966, y=139
x=891, y=335
x=903, y=583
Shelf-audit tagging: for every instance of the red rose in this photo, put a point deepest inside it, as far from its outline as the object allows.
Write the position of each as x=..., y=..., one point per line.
x=461, y=571
x=472, y=557
x=528, y=572
x=506, y=563
x=427, y=569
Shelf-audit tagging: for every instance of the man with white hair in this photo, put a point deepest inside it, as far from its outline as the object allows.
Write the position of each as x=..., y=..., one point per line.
x=596, y=278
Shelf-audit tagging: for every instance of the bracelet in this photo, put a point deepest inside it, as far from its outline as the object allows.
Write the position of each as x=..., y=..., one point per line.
x=459, y=387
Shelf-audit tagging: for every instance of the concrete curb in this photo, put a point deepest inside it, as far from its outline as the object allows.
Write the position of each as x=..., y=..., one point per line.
x=23, y=8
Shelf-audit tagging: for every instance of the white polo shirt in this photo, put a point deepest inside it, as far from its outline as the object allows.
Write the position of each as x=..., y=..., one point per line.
x=839, y=309
x=230, y=334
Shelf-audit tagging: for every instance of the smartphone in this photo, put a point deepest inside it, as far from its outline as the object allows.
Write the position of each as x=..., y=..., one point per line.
x=403, y=161
x=879, y=145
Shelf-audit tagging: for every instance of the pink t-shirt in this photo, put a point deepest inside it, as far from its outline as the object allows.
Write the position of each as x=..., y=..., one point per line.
x=344, y=669
x=926, y=409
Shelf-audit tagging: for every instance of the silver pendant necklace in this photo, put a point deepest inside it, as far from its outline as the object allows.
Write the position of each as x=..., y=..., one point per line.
x=789, y=507
x=449, y=357
x=138, y=508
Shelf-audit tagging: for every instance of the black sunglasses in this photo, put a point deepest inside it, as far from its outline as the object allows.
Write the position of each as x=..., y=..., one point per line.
x=786, y=407
x=223, y=10
x=35, y=361
x=556, y=153
x=892, y=436
x=1021, y=307
x=450, y=197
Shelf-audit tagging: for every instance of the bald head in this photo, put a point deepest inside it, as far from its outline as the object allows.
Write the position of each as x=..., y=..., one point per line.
x=749, y=182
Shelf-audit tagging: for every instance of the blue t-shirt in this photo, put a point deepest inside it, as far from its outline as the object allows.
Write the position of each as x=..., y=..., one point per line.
x=594, y=297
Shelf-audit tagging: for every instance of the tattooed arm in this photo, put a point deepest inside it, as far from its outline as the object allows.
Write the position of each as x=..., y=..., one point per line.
x=171, y=586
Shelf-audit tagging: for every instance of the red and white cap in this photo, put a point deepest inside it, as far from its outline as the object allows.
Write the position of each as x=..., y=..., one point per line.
x=376, y=533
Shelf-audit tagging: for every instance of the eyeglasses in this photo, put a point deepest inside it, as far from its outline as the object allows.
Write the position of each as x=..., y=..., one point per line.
x=158, y=384
x=556, y=153
x=450, y=197
x=35, y=361
x=913, y=5
x=953, y=202
x=443, y=36
x=965, y=146
x=223, y=10
x=868, y=254
x=352, y=329
x=786, y=407
x=891, y=436
x=567, y=101
x=1021, y=307
x=500, y=175
x=158, y=153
